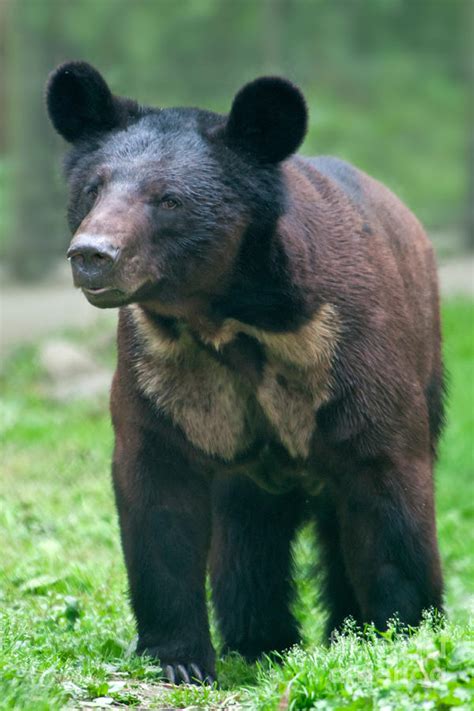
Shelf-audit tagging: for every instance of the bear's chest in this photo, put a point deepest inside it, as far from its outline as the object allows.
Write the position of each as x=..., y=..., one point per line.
x=225, y=398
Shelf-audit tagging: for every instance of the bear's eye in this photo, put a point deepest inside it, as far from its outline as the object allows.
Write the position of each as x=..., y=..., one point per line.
x=169, y=202
x=92, y=190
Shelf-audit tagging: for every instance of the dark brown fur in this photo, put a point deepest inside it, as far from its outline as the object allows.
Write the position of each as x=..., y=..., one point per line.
x=371, y=447
x=280, y=365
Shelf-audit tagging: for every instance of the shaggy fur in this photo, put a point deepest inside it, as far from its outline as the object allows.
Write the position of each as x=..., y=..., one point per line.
x=278, y=361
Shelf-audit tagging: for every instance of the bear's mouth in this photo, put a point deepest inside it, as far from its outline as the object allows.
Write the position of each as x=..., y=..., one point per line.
x=104, y=297
x=99, y=290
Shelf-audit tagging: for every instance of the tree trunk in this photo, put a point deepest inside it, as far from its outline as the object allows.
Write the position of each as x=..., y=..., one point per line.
x=38, y=232
x=469, y=53
x=274, y=16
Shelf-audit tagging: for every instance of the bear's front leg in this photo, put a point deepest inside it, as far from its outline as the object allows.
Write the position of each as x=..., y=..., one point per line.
x=164, y=512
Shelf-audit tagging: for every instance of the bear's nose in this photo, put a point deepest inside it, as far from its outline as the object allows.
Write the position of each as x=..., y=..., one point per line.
x=92, y=258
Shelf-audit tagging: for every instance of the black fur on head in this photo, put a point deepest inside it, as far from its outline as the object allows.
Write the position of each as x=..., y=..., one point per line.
x=267, y=120
x=80, y=103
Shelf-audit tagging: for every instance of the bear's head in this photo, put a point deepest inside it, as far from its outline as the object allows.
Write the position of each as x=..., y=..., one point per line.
x=163, y=202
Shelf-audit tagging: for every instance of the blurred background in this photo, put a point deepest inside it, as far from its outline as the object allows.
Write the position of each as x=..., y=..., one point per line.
x=389, y=85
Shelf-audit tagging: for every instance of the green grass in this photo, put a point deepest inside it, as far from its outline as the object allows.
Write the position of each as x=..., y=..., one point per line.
x=66, y=629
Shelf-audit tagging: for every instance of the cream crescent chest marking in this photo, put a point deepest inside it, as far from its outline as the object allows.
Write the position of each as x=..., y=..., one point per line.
x=216, y=409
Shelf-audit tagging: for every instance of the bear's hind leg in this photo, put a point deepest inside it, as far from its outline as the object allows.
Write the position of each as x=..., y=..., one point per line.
x=389, y=541
x=337, y=592
x=250, y=566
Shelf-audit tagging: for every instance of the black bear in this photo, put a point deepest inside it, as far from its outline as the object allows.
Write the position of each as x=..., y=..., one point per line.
x=278, y=361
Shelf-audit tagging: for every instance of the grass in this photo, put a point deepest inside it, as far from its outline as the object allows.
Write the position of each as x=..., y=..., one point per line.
x=67, y=633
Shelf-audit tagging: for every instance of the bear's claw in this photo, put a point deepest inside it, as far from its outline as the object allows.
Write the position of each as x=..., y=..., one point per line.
x=187, y=674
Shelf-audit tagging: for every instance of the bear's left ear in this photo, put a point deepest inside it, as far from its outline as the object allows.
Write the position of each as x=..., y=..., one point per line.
x=267, y=120
x=80, y=103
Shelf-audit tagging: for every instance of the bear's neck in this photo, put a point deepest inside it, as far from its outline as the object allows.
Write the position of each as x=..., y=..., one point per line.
x=262, y=290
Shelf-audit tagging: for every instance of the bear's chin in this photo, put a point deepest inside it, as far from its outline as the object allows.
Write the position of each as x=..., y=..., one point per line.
x=105, y=298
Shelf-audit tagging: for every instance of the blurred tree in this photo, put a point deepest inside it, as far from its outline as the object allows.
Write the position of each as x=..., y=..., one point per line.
x=32, y=38
x=469, y=67
x=3, y=57
x=274, y=19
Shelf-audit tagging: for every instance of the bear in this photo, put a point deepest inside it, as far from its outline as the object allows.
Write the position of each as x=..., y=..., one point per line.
x=279, y=362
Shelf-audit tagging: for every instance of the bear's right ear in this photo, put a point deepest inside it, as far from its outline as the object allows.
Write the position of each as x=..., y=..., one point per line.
x=79, y=102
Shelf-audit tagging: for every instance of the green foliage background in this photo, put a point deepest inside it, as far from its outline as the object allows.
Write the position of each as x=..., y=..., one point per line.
x=388, y=84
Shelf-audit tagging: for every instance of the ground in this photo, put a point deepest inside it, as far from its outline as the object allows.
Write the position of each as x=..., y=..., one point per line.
x=65, y=623
x=28, y=311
